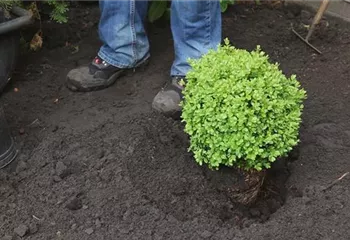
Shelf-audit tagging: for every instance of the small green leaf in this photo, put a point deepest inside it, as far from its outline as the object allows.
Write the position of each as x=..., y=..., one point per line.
x=156, y=10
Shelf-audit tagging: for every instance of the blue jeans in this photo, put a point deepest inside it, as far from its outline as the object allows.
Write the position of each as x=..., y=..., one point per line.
x=195, y=25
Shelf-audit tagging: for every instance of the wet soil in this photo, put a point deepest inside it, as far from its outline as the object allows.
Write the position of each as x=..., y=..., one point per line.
x=103, y=165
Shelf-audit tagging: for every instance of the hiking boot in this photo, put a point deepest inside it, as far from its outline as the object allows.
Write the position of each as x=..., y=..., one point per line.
x=167, y=101
x=97, y=75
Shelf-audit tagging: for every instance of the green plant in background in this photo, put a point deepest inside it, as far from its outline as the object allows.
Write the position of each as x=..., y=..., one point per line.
x=158, y=9
x=59, y=10
x=6, y=5
x=225, y=3
x=240, y=110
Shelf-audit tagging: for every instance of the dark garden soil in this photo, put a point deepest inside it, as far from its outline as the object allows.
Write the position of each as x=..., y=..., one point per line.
x=103, y=165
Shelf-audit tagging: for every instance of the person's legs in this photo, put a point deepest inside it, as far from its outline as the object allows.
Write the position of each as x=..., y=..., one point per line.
x=196, y=28
x=125, y=45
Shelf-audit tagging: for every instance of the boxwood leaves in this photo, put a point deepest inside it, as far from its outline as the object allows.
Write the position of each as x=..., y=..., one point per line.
x=239, y=109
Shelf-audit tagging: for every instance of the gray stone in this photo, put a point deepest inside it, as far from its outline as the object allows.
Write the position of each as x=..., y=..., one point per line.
x=57, y=179
x=205, y=234
x=89, y=231
x=98, y=223
x=61, y=169
x=21, y=230
x=74, y=226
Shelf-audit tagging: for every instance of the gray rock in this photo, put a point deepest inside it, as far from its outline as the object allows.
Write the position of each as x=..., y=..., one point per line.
x=89, y=231
x=61, y=169
x=205, y=234
x=74, y=226
x=57, y=179
x=98, y=223
x=21, y=230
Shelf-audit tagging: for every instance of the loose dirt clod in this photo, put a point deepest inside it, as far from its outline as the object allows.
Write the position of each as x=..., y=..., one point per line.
x=75, y=204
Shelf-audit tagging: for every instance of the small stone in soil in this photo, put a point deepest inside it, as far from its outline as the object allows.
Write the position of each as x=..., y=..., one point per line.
x=75, y=204
x=85, y=206
x=61, y=169
x=74, y=226
x=205, y=234
x=98, y=223
x=33, y=228
x=57, y=179
x=89, y=231
x=21, y=230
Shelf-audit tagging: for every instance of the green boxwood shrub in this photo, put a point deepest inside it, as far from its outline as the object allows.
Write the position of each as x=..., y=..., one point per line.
x=240, y=110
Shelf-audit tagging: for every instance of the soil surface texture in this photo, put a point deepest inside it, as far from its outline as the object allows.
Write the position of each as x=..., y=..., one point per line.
x=104, y=166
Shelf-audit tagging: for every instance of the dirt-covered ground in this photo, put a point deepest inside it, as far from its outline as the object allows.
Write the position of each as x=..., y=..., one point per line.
x=103, y=165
